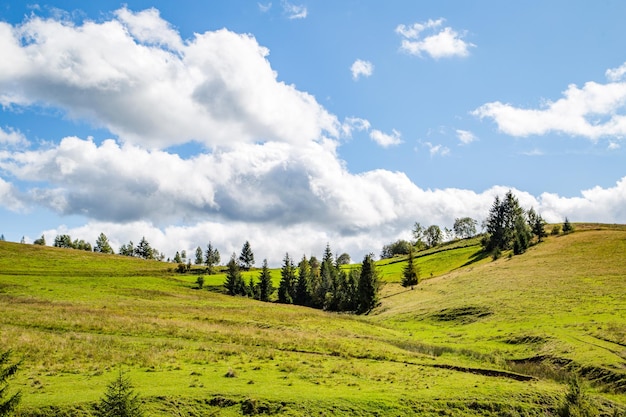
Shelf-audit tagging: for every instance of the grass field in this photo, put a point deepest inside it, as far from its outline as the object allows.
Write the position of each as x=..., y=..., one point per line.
x=475, y=337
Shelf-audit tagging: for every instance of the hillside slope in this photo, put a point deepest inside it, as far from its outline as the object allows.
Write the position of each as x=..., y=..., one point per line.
x=488, y=338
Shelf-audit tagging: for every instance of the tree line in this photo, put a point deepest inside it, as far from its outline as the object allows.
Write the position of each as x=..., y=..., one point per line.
x=324, y=285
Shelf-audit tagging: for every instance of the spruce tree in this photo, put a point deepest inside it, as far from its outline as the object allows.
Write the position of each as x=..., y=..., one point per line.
x=234, y=283
x=303, y=285
x=567, y=226
x=537, y=224
x=266, y=287
x=212, y=257
x=103, y=245
x=7, y=370
x=410, y=273
x=246, y=258
x=369, y=284
x=199, y=256
x=286, y=288
x=120, y=399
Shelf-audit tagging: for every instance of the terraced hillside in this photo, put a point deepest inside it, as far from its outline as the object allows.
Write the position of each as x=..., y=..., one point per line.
x=478, y=337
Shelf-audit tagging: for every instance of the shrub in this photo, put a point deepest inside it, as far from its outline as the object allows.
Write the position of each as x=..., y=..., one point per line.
x=200, y=282
x=6, y=371
x=556, y=229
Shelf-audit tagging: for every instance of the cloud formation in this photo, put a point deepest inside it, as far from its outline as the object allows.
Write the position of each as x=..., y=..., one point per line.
x=294, y=11
x=135, y=76
x=361, y=68
x=430, y=38
x=271, y=172
x=593, y=111
x=465, y=136
x=386, y=140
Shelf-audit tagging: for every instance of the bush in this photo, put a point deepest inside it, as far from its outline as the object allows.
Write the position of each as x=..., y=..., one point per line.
x=6, y=371
x=556, y=229
x=200, y=282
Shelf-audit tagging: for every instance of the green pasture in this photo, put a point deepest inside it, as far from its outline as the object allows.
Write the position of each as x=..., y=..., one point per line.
x=478, y=337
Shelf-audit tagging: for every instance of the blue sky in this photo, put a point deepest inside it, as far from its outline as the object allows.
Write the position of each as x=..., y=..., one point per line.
x=293, y=124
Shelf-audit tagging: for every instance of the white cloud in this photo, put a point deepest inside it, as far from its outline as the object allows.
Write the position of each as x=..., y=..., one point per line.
x=438, y=149
x=465, y=136
x=386, y=140
x=134, y=75
x=361, y=68
x=613, y=145
x=616, y=74
x=438, y=42
x=294, y=11
x=593, y=111
x=354, y=123
x=9, y=197
x=265, y=7
x=12, y=137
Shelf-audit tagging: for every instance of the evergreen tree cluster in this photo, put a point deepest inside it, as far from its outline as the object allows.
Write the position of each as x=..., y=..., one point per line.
x=324, y=285
x=509, y=226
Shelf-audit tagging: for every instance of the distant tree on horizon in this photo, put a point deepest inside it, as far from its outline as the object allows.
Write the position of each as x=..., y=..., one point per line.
x=567, y=226
x=128, y=249
x=212, y=257
x=199, y=256
x=465, y=227
x=537, y=224
x=63, y=241
x=103, y=245
x=343, y=259
x=246, y=259
x=144, y=250
x=41, y=241
x=433, y=236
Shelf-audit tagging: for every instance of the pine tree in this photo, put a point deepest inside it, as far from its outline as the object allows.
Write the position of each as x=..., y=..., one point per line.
x=246, y=258
x=266, y=287
x=177, y=258
x=212, y=257
x=567, y=226
x=144, y=250
x=120, y=399
x=41, y=241
x=410, y=273
x=128, y=250
x=7, y=371
x=199, y=256
x=103, y=245
x=369, y=284
x=537, y=224
x=287, y=286
x=303, y=285
x=234, y=283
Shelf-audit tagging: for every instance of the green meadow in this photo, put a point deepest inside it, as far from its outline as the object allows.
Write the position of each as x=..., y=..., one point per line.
x=476, y=337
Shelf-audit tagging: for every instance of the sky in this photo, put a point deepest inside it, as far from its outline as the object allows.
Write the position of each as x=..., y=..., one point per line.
x=297, y=124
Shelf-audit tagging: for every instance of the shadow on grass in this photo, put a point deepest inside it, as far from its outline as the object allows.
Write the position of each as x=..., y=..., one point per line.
x=476, y=257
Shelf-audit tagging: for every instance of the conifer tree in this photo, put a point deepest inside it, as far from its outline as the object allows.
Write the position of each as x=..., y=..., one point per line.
x=234, y=283
x=567, y=226
x=212, y=257
x=7, y=371
x=369, y=284
x=266, y=288
x=199, y=256
x=120, y=399
x=246, y=258
x=177, y=258
x=286, y=288
x=537, y=224
x=103, y=245
x=410, y=273
x=303, y=285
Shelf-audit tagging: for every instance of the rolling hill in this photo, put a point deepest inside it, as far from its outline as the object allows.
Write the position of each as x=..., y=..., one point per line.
x=475, y=337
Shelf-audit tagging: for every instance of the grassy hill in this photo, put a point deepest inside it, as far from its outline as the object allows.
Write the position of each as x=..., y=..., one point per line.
x=476, y=337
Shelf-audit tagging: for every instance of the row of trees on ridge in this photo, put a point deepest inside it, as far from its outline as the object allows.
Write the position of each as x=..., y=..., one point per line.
x=324, y=285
